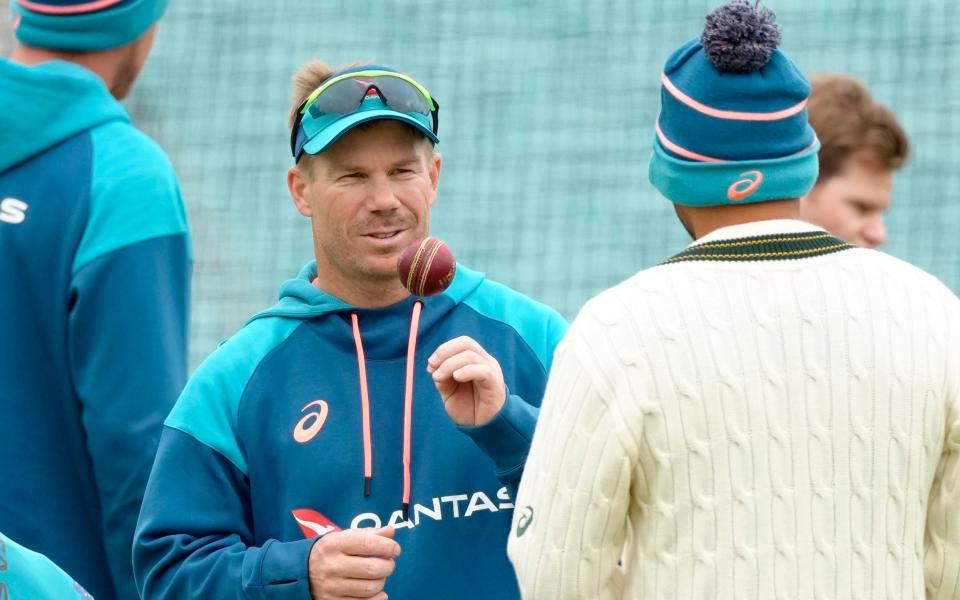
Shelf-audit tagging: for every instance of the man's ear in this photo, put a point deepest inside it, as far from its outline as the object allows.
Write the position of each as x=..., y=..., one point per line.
x=297, y=181
x=434, y=171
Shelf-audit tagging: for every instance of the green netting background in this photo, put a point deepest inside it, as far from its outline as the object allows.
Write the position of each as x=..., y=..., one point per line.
x=546, y=122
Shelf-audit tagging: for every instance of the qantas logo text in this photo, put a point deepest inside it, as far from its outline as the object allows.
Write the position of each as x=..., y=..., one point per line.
x=457, y=506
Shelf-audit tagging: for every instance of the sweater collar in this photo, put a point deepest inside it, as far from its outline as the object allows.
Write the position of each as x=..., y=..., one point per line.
x=775, y=240
x=758, y=228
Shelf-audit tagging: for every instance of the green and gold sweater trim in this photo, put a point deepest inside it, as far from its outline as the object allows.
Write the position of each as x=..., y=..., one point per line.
x=786, y=246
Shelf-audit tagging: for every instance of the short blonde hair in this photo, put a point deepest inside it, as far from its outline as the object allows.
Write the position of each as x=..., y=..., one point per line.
x=305, y=80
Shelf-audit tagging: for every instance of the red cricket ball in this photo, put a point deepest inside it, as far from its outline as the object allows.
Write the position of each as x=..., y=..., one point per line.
x=426, y=267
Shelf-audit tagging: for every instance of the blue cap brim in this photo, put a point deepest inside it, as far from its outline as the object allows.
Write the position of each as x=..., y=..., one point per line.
x=335, y=130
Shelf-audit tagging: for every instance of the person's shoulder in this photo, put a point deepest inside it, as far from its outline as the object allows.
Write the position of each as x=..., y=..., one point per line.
x=34, y=575
x=235, y=359
x=604, y=308
x=643, y=299
x=131, y=170
x=540, y=326
x=900, y=272
x=134, y=193
x=642, y=285
x=123, y=151
x=208, y=407
x=502, y=301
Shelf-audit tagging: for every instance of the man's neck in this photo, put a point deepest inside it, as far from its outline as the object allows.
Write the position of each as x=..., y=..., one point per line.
x=374, y=294
x=701, y=221
x=103, y=63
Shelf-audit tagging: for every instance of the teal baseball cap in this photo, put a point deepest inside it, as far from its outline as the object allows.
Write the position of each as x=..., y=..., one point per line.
x=359, y=95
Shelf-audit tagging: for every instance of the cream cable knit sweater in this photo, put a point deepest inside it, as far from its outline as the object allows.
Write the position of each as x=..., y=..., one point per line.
x=755, y=430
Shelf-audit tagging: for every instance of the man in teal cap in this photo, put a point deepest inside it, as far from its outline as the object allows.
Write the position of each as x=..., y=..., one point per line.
x=95, y=261
x=353, y=441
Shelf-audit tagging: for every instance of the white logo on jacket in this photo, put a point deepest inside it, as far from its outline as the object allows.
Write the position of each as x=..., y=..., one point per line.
x=440, y=508
x=456, y=506
x=13, y=211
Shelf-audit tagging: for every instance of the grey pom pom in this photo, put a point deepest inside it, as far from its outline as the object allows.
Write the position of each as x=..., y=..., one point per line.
x=740, y=38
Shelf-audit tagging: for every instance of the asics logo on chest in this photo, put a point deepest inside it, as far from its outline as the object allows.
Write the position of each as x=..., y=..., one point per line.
x=13, y=211
x=312, y=422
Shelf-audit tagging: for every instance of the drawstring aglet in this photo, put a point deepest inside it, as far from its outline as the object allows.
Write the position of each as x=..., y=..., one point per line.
x=367, y=484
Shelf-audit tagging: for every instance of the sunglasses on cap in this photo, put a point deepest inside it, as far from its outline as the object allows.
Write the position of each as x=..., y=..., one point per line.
x=376, y=91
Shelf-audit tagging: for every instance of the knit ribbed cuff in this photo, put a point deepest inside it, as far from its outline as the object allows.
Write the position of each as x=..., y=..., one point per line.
x=278, y=570
x=506, y=438
x=92, y=31
x=692, y=183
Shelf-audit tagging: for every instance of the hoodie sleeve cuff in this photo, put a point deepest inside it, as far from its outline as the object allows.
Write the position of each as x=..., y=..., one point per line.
x=506, y=437
x=281, y=573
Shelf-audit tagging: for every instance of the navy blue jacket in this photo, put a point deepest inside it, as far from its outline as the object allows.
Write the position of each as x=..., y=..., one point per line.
x=264, y=450
x=94, y=267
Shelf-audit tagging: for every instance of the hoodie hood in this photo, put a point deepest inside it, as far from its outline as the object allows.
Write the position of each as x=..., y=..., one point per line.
x=300, y=299
x=48, y=103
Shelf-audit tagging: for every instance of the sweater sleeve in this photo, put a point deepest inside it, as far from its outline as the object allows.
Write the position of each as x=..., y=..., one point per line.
x=942, y=539
x=195, y=540
x=570, y=516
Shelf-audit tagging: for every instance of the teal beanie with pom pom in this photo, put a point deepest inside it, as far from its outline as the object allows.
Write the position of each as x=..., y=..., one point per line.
x=733, y=121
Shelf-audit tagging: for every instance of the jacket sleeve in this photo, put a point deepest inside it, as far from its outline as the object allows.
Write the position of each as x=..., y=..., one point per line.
x=942, y=539
x=128, y=349
x=506, y=438
x=194, y=538
x=127, y=330
x=27, y=574
x=571, y=511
